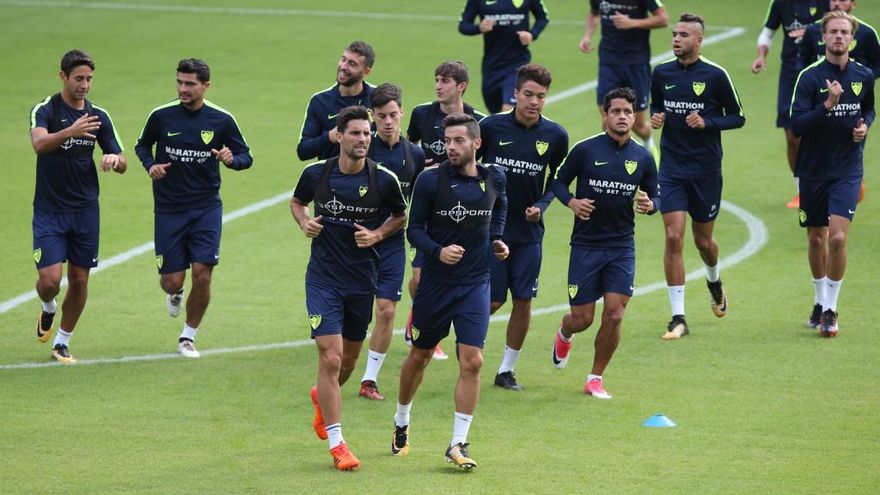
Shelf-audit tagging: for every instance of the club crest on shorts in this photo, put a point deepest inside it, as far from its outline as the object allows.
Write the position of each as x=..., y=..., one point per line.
x=314, y=321
x=207, y=136
x=412, y=254
x=699, y=87
x=38, y=255
x=541, y=147
x=813, y=10
x=856, y=87
x=630, y=166
x=572, y=290
x=363, y=190
x=415, y=333
x=802, y=216
x=159, y=260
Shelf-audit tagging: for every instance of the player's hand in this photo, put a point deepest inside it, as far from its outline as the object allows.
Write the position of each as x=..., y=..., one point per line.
x=533, y=214
x=312, y=227
x=525, y=37
x=643, y=203
x=695, y=121
x=486, y=25
x=759, y=64
x=582, y=208
x=860, y=131
x=797, y=34
x=86, y=126
x=501, y=249
x=429, y=162
x=657, y=120
x=451, y=254
x=334, y=135
x=224, y=155
x=586, y=45
x=834, y=92
x=622, y=21
x=158, y=170
x=112, y=162
x=365, y=237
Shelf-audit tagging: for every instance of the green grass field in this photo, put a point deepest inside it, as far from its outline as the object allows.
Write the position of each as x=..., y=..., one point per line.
x=763, y=405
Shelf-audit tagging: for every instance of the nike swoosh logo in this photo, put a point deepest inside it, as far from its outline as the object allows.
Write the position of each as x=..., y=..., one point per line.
x=331, y=117
x=63, y=120
x=95, y=259
x=491, y=2
x=172, y=134
x=669, y=86
x=454, y=185
x=216, y=256
x=823, y=90
x=504, y=143
x=598, y=163
x=852, y=212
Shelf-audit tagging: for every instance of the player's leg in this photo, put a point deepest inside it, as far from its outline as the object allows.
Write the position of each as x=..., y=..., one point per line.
x=607, y=339
x=673, y=266
x=787, y=78
x=491, y=92
x=507, y=86
x=813, y=215
x=48, y=286
x=584, y=279
x=330, y=358
x=358, y=312
x=392, y=264
x=202, y=251
x=843, y=199
x=172, y=260
x=50, y=250
x=639, y=79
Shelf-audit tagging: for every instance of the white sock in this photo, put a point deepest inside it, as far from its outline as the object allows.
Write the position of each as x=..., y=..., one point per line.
x=509, y=360
x=334, y=435
x=563, y=337
x=189, y=333
x=797, y=184
x=591, y=377
x=50, y=307
x=62, y=337
x=713, y=273
x=832, y=290
x=819, y=285
x=676, y=299
x=374, y=364
x=460, y=429
x=402, y=416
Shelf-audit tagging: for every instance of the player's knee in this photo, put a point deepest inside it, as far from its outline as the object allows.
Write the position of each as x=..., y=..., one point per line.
x=816, y=241
x=704, y=244
x=674, y=242
x=471, y=364
x=48, y=286
x=837, y=241
x=331, y=362
x=77, y=279
x=384, y=310
x=613, y=315
x=420, y=360
x=581, y=321
x=201, y=278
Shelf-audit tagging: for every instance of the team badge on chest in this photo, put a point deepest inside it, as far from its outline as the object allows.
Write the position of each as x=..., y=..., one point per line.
x=207, y=136
x=699, y=87
x=541, y=147
x=856, y=87
x=630, y=166
x=363, y=190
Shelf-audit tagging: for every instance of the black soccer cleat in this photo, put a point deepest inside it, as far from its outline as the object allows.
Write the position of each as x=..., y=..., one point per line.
x=507, y=380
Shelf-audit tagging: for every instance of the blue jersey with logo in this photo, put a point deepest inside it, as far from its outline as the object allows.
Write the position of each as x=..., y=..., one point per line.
x=393, y=158
x=827, y=150
x=429, y=235
x=679, y=90
x=501, y=46
x=426, y=128
x=185, y=138
x=865, y=47
x=792, y=15
x=529, y=158
x=624, y=46
x=67, y=180
x=324, y=106
x=609, y=174
x=336, y=260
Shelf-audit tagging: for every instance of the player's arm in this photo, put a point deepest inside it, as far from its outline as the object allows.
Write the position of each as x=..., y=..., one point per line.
x=392, y=198
x=658, y=19
x=765, y=40
x=44, y=142
x=312, y=140
x=541, y=18
x=807, y=51
x=470, y=13
x=807, y=109
x=567, y=172
x=235, y=154
x=303, y=194
x=412, y=130
x=868, y=110
x=872, y=52
x=110, y=143
x=143, y=148
x=559, y=151
x=648, y=197
x=590, y=26
x=733, y=117
x=499, y=209
x=658, y=104
x=419, y=212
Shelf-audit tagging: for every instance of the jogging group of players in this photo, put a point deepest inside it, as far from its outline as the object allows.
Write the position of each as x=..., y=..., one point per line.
x=470, y=191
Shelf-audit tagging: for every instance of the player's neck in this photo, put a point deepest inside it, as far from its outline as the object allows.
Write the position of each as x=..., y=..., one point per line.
x=469, y=169
x=353, y=90
x=194, y=105
x=621, y=139
x=456, y=106
x=348, y=165
x=525, y=121
x=691, y=59
x=391, y=140
x=73, y=102
x=838, y=60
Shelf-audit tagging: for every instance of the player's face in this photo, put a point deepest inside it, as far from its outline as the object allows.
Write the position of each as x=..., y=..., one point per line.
x=844, y=5
x=530, y=99
x=620, y=116
x=387, y=119
x=351, y=69
x=447, y=90
x=460, y=148
x=78, y=83
x=355, y=140
x=686, y=39
x=837, y=36
x=190, y=90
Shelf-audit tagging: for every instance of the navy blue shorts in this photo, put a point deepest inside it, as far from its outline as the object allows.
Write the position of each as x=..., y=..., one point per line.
x=436, y=306
x=701, y=198
x=519, y=272
x=392, y=264
x=71, y=237
x=634, y=76
x=189, y=236
x=787, y=78
x=334, y=311
x=821, y=199
x=498, y=87
x=594, y=272
x=416, y=258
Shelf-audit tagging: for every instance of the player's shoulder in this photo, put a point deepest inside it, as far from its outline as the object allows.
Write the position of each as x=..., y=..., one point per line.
x=715, y=67
x=864, y=27
x=165, y=108
x=494, y=121
x=667, y=64
x=43, y=106
x=213, y=107
x=385, y=174
x=421, y=108
x=493, y=171
x=588, y=142
x=554, y=126
x=861, y=70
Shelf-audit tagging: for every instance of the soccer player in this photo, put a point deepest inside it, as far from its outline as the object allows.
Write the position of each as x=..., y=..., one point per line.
x=64, y=130
x=833, y=107
x=506, y=39
x=525, y=145
x=406, y=160
x=613, y=173
x=192, y=136
x=319, y=137
x=794, y=16
x=457, y=207
x=357, y=205
x=426, y=127
x=625, y=52
x=865, y=48
x=693, y=99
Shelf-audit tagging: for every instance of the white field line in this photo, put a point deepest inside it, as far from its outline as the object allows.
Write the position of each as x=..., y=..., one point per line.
x=757, y=239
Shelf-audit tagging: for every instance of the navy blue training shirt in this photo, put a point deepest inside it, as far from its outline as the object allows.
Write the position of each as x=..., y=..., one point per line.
x=624, y=46
x=393, y=158
x=426, y=128
x=529, y=158
x=792, y=15
x=679, y=90
x=865, y=48
x=501, y=46
x=609, y=174
x=324, y=106
x=185, y=139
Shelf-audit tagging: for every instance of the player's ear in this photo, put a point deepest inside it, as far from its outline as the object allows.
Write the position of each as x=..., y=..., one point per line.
x=367, y=71
x=207, y=84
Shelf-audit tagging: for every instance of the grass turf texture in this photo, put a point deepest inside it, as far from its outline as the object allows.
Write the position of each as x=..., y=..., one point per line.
x=762, y=404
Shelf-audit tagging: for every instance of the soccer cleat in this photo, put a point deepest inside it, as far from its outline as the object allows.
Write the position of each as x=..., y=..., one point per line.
x=862, y=192
x=719, y=298
x=61, y=353
x=458, y=455
x=829, y=323
x=172, y=303
x=507, y=380
x=439, y=355
x=318, y=423
x=407, y=330
x=676, y=329
x=370, y=390
x=815, y=320
x=594, y=387
x=400, y=441
x=44, y=326
x=343, y=458
x=795, y=202
x=561, y=350
x=187, y=348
